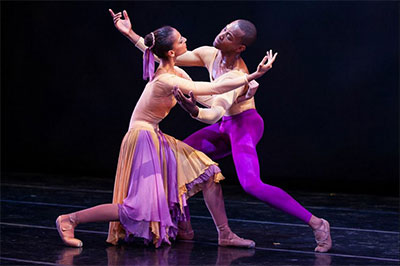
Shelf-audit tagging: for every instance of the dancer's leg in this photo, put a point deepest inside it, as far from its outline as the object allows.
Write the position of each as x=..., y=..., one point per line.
x=210, y=141
x=245, y=134
x=67, y=222
x=99, y=213
x=213, y=198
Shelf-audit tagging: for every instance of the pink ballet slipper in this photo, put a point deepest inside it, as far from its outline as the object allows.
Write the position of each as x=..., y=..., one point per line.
x=323, y=237
x=65, y=226
x=234, y=241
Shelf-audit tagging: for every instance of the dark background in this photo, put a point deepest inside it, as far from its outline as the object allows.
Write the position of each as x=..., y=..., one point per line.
x=70, y=81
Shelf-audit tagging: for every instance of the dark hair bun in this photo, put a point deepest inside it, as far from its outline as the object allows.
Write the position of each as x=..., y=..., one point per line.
x=163, y=41
x=148, y=40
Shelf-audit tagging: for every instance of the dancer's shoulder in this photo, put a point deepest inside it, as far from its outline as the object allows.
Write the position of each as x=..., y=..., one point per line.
x=182, y=73
x=205, y=51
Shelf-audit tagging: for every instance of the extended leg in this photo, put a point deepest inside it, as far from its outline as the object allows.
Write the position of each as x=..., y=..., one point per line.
x=66, y=223
x=247, y=167
x=244, y=135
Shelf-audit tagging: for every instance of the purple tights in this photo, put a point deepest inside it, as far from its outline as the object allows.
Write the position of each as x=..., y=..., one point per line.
x=238, y=135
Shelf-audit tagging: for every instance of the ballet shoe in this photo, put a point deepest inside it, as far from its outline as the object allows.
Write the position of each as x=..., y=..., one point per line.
x=234, y=241
x=65, y=226
x=185, y=231
x=324, y=243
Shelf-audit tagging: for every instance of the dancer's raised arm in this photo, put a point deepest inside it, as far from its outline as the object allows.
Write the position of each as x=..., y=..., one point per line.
x=123, y=24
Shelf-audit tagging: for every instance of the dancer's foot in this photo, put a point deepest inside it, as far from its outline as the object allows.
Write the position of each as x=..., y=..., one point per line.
x=185, y=231
x=232, y=240
x=323, y=237
x=65, y=227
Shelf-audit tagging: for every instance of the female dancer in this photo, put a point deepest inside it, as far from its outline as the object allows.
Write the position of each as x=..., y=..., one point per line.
x=156, y=173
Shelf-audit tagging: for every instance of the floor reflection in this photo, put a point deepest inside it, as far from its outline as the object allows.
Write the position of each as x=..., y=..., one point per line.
x=322, y=260
x=179, y=253
x=66, y=256
x=227, y=255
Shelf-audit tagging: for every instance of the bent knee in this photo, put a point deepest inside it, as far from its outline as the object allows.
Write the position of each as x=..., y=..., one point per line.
x=252, y=188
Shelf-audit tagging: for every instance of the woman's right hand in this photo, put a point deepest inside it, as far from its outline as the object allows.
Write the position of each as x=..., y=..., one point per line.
x=123, y=25
x=262, y=67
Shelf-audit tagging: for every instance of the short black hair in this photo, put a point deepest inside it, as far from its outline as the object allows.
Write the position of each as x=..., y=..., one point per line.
x=250, y=31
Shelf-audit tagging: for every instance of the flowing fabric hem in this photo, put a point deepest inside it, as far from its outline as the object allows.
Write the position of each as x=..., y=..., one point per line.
x=150, y=230
x=193, y=187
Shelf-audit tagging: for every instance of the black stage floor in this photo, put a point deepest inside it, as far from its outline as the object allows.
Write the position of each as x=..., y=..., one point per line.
x=365, y=228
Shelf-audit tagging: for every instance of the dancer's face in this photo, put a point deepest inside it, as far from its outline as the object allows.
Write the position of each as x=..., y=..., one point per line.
x=179, y=45
x=230, y=38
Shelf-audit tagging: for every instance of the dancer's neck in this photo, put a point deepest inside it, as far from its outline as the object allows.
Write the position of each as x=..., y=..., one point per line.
x=167, y=65
x=229, y=60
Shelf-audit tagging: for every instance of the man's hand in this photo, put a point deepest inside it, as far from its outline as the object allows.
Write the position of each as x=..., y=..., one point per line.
x=251, y=91
x=123, y=25
x=262, y=67
x=188, y=104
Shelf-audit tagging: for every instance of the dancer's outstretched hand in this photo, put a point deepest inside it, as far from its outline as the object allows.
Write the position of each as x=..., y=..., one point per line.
x=123, y=25
x=251, y=91
x=265, y=65
x=188, y=104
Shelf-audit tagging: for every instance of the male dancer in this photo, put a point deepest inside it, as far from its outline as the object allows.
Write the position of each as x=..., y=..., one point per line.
x=241, y=127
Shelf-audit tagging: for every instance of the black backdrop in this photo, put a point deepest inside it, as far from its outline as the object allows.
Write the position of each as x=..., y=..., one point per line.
x=70, y=81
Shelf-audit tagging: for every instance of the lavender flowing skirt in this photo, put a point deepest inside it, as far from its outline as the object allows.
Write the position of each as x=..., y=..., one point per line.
x=164, y=172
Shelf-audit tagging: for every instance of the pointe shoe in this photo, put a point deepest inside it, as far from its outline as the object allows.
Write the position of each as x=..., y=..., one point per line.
x=185, y=231
x=325, y=242
x=234, y=241
x=65, y=226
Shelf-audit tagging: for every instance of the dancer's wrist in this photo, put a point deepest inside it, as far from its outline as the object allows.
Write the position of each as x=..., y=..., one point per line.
x=250, y=77
x=195, y=112
x=133, y=37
